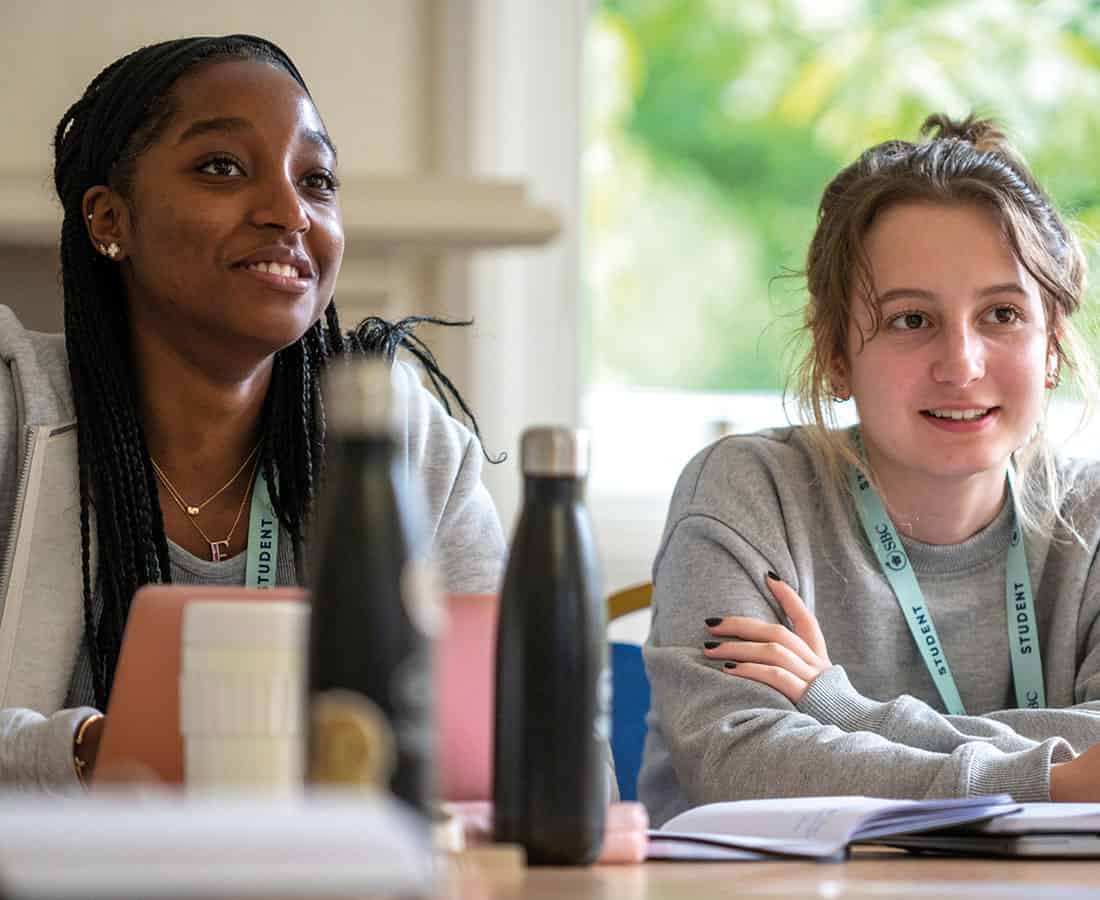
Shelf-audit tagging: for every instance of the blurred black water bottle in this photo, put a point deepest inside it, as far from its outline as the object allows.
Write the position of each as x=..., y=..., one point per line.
x=552, y=685
x=375, y=603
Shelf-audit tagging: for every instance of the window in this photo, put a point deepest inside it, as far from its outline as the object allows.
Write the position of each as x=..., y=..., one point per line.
x=711, y=128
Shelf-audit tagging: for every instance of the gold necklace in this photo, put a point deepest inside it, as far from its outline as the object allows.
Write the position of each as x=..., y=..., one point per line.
x=195, y=510
x=219, y=550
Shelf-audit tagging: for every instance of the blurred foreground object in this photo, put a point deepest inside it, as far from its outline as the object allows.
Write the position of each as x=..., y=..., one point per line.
x=241, y=695
x=158, y=843
x=375, y=603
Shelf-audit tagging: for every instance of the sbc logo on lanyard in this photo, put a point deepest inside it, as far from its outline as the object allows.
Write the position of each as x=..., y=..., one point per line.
x=892, y=557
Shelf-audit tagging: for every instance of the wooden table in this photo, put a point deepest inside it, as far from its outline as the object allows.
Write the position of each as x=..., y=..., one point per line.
x=871, y=873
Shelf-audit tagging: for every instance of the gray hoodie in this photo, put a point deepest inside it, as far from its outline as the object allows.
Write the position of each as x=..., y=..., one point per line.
x=872, y=724
x=41, y=607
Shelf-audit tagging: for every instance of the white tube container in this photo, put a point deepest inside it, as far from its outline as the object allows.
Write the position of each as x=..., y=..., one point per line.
x=242, y=692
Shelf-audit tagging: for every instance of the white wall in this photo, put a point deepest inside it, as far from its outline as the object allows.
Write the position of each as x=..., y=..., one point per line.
x=364, y=60
x=369, y=65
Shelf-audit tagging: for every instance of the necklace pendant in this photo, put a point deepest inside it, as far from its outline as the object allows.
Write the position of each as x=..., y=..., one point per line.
x=219, y=550
x=192, y=510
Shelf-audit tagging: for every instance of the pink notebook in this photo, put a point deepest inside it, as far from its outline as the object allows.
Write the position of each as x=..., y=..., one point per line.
x=142, y=728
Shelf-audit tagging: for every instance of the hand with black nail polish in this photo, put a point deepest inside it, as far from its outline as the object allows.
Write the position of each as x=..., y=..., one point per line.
x=787, y=659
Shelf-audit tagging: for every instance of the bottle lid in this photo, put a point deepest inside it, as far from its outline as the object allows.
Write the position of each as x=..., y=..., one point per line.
x=555, y=451
x=359, y=396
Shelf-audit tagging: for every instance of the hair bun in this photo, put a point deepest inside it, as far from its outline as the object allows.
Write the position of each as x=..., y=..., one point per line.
x=984, y=134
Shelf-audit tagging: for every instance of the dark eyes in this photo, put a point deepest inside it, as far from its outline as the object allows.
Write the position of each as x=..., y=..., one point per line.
x=222, y=166
x=907, y=321
x=912, y=320
x=321, y=182
x=1003, y=315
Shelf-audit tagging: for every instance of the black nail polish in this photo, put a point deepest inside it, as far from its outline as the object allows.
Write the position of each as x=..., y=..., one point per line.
x=773, y=576
x=710, y=645
x=712, y=622
x=729, y=665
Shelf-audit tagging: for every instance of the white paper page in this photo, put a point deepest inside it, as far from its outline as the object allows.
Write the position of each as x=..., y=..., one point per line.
x=752, y=843
x=826, y=820
x=693, y=851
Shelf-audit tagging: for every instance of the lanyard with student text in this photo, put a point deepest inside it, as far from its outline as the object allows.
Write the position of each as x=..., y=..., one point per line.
x=1027, y=666
x=263, y=538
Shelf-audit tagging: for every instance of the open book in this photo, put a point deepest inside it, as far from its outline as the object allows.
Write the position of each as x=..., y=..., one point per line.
x=810, y=827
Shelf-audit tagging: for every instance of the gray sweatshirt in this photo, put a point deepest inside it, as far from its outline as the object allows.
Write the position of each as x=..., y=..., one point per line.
x=873, y=723
x=41, y=612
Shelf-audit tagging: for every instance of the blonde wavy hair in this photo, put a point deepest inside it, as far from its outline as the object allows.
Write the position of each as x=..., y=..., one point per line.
x=959, y=162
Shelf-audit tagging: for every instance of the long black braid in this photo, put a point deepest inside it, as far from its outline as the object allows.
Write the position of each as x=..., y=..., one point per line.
x=121, y=114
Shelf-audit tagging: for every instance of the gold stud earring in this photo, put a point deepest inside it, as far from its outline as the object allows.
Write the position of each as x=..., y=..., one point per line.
x=112, y=250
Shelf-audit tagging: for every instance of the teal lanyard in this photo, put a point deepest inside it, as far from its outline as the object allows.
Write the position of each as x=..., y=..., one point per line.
x=263, y=538
x=1027, y=667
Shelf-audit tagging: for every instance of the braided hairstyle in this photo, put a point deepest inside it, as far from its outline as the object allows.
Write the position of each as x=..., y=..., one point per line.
x=120, y=115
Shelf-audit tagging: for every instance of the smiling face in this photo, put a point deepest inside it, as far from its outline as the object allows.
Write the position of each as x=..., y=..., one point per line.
x=953, y=380
x=233, y=238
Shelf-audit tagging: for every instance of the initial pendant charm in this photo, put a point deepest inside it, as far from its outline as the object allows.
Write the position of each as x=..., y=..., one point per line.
x=219, y=550
x=192, y=510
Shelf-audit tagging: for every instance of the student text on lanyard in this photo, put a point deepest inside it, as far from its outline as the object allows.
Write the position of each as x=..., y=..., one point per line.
x=262, y=562
x=1027, y=666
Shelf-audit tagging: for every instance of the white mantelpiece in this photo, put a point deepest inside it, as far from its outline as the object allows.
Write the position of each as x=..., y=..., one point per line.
x=381, y=213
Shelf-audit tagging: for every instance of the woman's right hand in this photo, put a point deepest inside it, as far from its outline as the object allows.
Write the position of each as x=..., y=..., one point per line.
x=1077, y=780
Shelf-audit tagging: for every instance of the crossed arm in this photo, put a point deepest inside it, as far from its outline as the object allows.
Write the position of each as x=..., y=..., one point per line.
x=790, y=659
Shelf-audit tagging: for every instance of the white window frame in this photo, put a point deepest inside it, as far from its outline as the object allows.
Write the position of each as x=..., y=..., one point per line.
x=524, y=119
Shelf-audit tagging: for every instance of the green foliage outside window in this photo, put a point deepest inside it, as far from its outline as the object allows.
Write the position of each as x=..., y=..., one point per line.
x=712, y=127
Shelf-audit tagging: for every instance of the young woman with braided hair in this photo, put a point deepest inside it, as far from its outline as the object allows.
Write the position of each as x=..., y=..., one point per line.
x=909, y=608
x=199, y=252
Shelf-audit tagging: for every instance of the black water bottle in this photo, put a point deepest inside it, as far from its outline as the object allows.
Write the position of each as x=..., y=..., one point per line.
x=374, y=602
x=552, y=684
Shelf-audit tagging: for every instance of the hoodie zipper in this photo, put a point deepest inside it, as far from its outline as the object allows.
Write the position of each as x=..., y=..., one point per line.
x=17, y=514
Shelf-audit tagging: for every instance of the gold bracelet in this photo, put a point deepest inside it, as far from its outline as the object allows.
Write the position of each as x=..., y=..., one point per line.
x=79, y=765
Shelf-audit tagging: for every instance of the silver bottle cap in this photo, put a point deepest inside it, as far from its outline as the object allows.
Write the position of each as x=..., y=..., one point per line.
x=359, y=396
x=555, y=451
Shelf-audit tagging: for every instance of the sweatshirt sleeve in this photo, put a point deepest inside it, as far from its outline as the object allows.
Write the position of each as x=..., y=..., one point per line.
x=467, y=541
x=36, y=751
x=731, y=738
x=831, y=699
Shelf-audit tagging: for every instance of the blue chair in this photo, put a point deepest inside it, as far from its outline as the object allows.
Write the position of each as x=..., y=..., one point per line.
x=630, y=693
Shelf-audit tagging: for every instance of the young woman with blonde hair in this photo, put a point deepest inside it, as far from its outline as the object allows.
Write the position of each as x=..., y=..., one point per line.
x=908, y=608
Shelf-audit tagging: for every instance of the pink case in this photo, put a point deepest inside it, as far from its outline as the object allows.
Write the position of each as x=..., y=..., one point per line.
x=465, y=688
x=142, y=736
